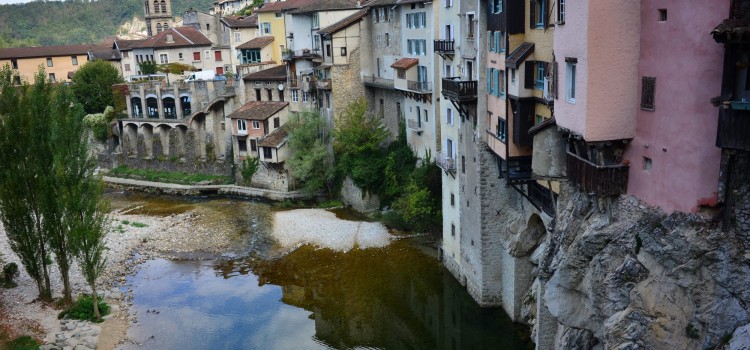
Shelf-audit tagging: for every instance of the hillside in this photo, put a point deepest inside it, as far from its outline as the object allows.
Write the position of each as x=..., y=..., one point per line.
x=73, y=21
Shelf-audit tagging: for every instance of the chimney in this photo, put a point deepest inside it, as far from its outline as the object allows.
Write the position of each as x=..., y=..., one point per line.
x=170, y=38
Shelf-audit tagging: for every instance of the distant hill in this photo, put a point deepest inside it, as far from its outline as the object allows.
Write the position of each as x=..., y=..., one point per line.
x=74, y=21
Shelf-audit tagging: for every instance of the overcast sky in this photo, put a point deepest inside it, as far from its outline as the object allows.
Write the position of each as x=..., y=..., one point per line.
x=13, y=1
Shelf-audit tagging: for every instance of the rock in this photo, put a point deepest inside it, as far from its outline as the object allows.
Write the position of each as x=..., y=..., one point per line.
x=70, y=326
x=740, y=339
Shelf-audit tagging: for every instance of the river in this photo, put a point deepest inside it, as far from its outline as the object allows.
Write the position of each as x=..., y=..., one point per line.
x=396, y=297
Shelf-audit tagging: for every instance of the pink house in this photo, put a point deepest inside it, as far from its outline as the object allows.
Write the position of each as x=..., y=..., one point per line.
x=674, y=163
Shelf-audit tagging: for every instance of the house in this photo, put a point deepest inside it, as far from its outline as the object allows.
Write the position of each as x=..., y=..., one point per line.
x=273, y=148
x=240, y=30
x=228, y=7
x=59, y=62
x=254, y=121
x=128, y=64
x=255, y=55
x=267, y=85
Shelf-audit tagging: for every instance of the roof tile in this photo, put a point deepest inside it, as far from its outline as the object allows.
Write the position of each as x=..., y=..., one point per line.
x=258, y=110
x=257, y=43
x=405, y=63
x=276, y=73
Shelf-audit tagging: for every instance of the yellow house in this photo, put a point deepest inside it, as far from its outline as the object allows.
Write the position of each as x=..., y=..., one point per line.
x=59, y=62
x=271, y=23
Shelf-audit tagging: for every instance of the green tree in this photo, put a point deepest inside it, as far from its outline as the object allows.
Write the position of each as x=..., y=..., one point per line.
x=92, y=85
x=26, y=160
x=248, y=169
x=310, y=161
x=148, y=68
x=360, y=141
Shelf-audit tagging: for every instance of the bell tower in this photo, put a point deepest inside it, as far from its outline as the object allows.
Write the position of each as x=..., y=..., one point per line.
x=158, y=14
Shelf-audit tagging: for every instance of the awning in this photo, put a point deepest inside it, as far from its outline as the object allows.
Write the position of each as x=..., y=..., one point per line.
x=519, y=55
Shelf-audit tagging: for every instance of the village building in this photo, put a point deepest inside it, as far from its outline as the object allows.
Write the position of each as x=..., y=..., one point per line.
x=59, y=62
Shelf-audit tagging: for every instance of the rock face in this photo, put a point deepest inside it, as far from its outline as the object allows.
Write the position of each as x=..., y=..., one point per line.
x=637, y=278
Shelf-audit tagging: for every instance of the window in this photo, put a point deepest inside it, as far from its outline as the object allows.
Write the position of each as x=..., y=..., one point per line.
x=127, y=67
x=49, y=61
x=647, y=164
x=448, y=3
x=208, y=27
x=74, y=60
x=500, y=41
x=241, y=126
x=648, y=93
x=538, y=14
x=470, y=26
x=538, y=120
x=662, y=15
x=381, y=15
x=295, y=95
x=387, y=39
x=426, y=118
x=250, y=56
x=409, y=20
x=179, y=55
x=453, y=199
x=219, y=70
x=449, y=116
x=237, y=37
x=269, y=92
x=217, y=55
x=267, y=153
x=14, y=64
x=163, y=6
x=196, y=56
x=375, y=16
x=276, y=122
x=305, y=96
x=278, y=14
x=315, y=21
x=256, y=124
x=242, y=144
x=343, y=51
x=17, y=80
x=163, y=59
x=490, y=83
x=502, y=130
x=539, y=78
x=52, y=77
x=560, y=11
x=254, y=145
x=158, y=27
x=453, y=227
x=392, y=14
x=423, y=15
x=496, y=6
x=513, y=75
x=401, y=73
x=257, y=94
x=265, y=27
x=207, y=54
x=500, y=80
x=570, y=79
x=381, y=109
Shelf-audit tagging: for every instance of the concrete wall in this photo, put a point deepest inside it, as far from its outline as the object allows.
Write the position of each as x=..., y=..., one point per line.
x=679, y=135
x=572, y=41
x=277, y=31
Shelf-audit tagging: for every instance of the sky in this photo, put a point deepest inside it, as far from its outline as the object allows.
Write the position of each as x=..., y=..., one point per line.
x=2, y=2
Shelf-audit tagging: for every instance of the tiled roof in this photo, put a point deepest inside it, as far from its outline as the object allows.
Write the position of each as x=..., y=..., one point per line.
x=519, y=55
x=125, y=45
x=240, y=21
x=258, y=110
x=326, y=5
x=541, y=126
x=283, y=5
x=405, y=63
x=374, y=3
x=257, y=43
x=732, y=30
x=105, y=53
x=275, y=73
x=275, y=138
x=333, y=28
x=45, y=51
x=181, y=37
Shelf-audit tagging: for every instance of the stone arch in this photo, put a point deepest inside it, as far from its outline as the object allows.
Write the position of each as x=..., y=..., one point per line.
x=130, y=139
x=163, y=132
x=146, y=141
x=158, y=27
x=177, y=141
x=163, y=6
x=197, y=128
x=530, y=237
x=152, y=107
x=185, y=101
x=136, y=106
x=170, y=107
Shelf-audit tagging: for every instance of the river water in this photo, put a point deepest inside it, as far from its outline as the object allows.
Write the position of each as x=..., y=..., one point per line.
x=397, y=297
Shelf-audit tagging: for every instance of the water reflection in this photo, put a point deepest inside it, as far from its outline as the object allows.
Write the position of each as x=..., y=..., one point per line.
x=389, y=298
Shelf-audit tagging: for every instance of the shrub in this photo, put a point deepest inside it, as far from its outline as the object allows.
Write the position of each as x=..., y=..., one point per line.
x=10, y=272
x=23, y=343
x=249, y=168
x=691, y=331
x=83, y=309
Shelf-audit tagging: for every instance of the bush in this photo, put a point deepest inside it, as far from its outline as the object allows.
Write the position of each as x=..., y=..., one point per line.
x=392, y=219
x=83, y=309
x=10, y=272
x=23, y=343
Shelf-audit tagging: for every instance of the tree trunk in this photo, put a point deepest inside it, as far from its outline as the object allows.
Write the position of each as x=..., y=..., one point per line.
x=96, y=302
x=65, y=273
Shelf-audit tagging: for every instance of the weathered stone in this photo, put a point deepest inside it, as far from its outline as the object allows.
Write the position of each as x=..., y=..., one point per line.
x=740, y=339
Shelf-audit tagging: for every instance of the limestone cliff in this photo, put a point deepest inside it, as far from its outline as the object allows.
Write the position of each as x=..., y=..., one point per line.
x=632, y=277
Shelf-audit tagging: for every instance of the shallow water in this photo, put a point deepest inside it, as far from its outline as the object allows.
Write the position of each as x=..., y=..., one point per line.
x=397, y=297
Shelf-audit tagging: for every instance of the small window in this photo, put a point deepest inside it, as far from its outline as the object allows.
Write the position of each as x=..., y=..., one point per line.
x=14, y=64
x=74, y=60
x=270, y=94
x=217, y=55
x=560, y=11
x=647, y=163
x=453, y=227
x=237, y=37
x=295, y=95
x=241, y=125
x=256, y=124
x=449, y=116
x=401, y=73
x=196, y=56
x=648, y=93
x=180, y=56
x=163, y=59
x=52, y=77
x=276, y=122
x=496, y=6
x=343, y=51
x=570, y=81
x=207, y=54
x=254, y=145
x=453, y=199
x=502, y=130
x=49, y=61
x=208, y=27
x=662, y=15
x=278, y=14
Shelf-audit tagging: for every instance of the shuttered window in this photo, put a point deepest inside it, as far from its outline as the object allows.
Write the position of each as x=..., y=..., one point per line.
x=648, y=93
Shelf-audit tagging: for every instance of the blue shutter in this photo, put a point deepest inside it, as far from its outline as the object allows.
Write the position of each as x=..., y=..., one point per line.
x=496, y=82
x=489, y=42
x=489, y=80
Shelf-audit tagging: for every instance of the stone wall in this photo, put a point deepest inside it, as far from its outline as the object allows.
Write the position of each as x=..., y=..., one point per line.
x=183, y=165
x=358, y=199
x=738, y=203
x=346, y=83
x=271, y=178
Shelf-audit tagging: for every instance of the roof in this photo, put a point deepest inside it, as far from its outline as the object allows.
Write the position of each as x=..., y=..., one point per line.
x=541, y=126
x=283, y=5
x=732, y=30
x=519, y=55
x=275, y=138
x=241, y=21
x=257, y=43
x=125, y=45
x=258, y=110
x=105, y=53
x=405, y=63
x=333, y=28
x=374, y=3
x=275, y=73
x=45, y=51
x=181, y=37
x=326, y=5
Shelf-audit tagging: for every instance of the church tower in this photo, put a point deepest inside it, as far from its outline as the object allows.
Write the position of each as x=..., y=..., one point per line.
x=158, y=14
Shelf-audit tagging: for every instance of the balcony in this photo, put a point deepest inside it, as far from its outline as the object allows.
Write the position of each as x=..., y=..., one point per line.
x=460, y=91
x=443, y=46
x=323, y=84
x=304, y=54
x=734, y=126
x=378, y=82
x=419, y=86
x=601, y=180
x=414, y=125
x=519, y=169
x=446, y=163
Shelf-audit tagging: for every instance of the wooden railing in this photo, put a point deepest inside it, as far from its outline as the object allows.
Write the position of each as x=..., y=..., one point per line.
x=458, y=90
x=602, y=180
x=445, y=46
x=734, y=127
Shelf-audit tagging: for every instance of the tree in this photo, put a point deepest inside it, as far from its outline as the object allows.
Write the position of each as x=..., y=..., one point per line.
x=26, y=160
x=148, y=67
x=310, y=161
x=92, y=85
x=360, y=141
x=248, y=169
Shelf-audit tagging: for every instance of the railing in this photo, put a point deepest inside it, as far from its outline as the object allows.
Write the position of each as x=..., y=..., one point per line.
x=542, y=198
x=378, y=82
x=444, y=162
x=153, y=115
x=306, y=53
x=186, y=112
x=414, y=125
x=323, y=84
x=519, y=169
x=734, y=126
x=460, y=90
x=420, y=86
x=602, y=180
x=444, y=46
x=170, y=115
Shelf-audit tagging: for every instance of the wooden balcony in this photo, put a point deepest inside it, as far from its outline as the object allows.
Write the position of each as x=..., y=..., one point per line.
x=459, y=90
x=519, y=169
x=378, y=82
x=734, y=126
x=323, y=84
x=419, y=86
x=443, y=46
x=601, y=180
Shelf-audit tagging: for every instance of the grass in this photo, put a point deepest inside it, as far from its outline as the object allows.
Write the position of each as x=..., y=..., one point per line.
x=138, y=224
x=332, y=203
x=167, y=176
x=83, y=309
x=21, y=343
